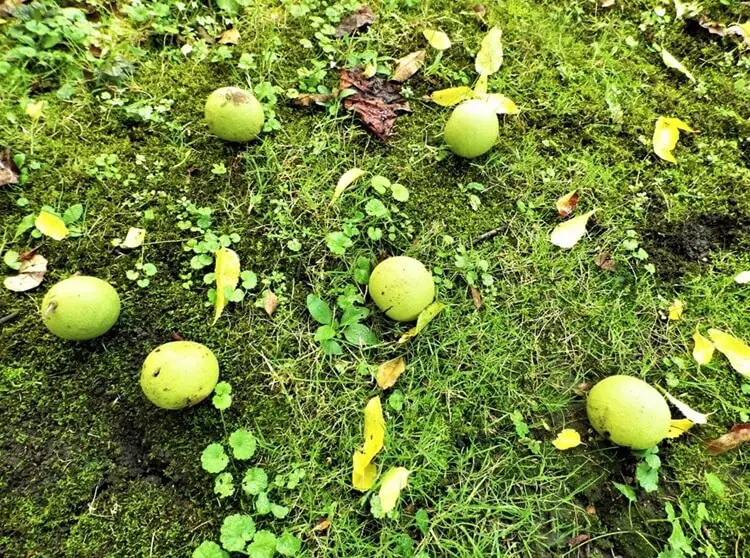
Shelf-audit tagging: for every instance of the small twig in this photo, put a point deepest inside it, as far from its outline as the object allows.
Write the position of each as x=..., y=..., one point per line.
x=486, y=236
x=9, y=317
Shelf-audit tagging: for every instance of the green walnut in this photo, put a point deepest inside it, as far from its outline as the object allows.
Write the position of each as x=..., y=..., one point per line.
x=472, y=129
x=179, y=374
x=402, y=287
x=234, y=114
x=80, y=308
x=629, y=412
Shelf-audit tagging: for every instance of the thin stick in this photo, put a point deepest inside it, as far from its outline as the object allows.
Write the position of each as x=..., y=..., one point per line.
x=486, y=236
x=8, y=318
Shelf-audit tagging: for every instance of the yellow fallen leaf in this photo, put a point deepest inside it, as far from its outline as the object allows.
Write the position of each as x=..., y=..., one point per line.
x=686, y=410
x=490, y=55
x=227, y=273
x=427, y=315
x=742, y=278
x=437, y=39
x=51, y=225
x=672, y=62
x=346, y=180
x=408, y=65
x=230, y=37
x=666, y=134
x=736, y=351
x=389, y=372
x=370, y=70
x=480, y=89
x=501, y=104
x=678, y=427
x=675, y=310
x=134, y=238
x=566, y=204
x=567, y=234
x=567, y=439
x=394, y=481
x=703, y=351
x=34, y=110
x=30, y=275
x=742, y=30
x=374, y=428
x=364, y=473
x=452, y=95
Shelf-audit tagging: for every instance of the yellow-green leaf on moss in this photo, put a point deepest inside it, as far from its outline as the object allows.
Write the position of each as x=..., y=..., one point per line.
x=389, y=372
x=394, y=481
x=666, y=134
x=452, y=95
x=480, y=89
x=703, y=351
x=490, y=55
x=408, y=65
x=364, y=472
x=677, y=427
x=427, y=315
x=672, y=62
x=51, y=225
x=500, y=103
x=567, y=234
x=567, y=439
x=346, y=180
x=735, y=349
x=227, y=276
x=437, y=39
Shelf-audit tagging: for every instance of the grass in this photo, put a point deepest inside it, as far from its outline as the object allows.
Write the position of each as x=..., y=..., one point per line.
x=89, y=468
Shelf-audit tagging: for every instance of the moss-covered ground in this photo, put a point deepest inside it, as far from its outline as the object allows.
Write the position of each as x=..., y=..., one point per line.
x=88, y=468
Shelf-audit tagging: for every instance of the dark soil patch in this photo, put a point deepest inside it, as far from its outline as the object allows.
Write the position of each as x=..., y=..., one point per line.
x=679, y=248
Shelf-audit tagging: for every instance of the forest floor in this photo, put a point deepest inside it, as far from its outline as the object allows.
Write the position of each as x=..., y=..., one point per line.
x=101, y=104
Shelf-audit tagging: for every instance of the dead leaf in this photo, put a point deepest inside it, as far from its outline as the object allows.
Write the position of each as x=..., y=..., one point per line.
x=567, y=204
x=394, y=481
x=270, y=302
x=346, y=180
x=738, y=434
x=500, y=103
x=437, y=39
x=35, y=110
x=364, y=471
x=8, y=170
x=230, y=37
x=734, y=348
x=580, y=539
x=703, y=351
x=607, y=3
x=452, y=95
x=30, y=274
x=605, y=261
x=672, y=62
x=741, y=30
x=676, y=310
x=322, y=525
x=567, y=439
x=389, y=372
x=490, y=55
x=481, y=86
x=427, y=315
x=354, y=22
x=134, y=238
x=408, y=66
x=666, y=134
x=9, y=6
x=227, y=272
x=677, y=427
x=742, y=278
x=476, y=297
x=713, y=27
x=567, y=234
x=375, y=101
x=51, y=225
x=308, y=99
x=685, y=409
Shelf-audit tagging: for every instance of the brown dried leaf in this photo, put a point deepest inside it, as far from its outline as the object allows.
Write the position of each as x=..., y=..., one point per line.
x=308, y=99
x=389, y=372
x=742, y=31
x=408, y=66
x=8, y=170
x=605, y=261
x=713, y=27
x=566, y=204
x=322, y=525
x=476, y=297
x=9, y=6
x=30, y=274
x=230, y=37
x=355, y=22
x=270, y=302
x=375, y=101
x=738, y=434
x=578, y=540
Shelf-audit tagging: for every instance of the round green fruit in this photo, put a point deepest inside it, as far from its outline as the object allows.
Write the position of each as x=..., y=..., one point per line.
x=472, y=129
x=402, y=287
x=179, y=374
x=80, y=308
x=629, y=412
x=234, y=114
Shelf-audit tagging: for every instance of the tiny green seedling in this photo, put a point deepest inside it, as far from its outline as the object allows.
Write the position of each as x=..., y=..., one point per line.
x=350, y=327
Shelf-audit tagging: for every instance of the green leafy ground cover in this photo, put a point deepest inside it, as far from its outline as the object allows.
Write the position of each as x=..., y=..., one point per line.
x=90, y=468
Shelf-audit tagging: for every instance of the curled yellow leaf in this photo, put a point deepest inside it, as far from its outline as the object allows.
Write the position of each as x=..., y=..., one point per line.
x=490, y=55
x=51, y=225
x=408, y=65
x=703, y=351
x=566, y=204
x=346, y=180
x=735, y=349
x=452, y=95
x=677, y=427
x=567, y=439
x=427, y=315
x=567, y=234
x=394, y=481
x=389, y=372
x=364, y=471
x=666, y=134
x=437, y=39
x=227, y=273
x=675, y=310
